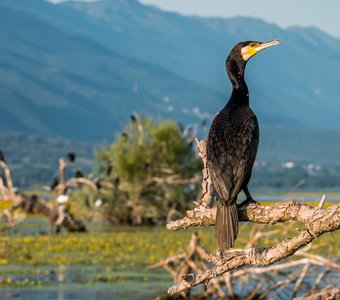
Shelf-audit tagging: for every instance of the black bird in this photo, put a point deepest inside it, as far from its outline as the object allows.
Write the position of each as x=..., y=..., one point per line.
x=232, y=144
x=134, y=117
x=54, y=183
x=79, y=174
x=71, y=156
x=2, y=156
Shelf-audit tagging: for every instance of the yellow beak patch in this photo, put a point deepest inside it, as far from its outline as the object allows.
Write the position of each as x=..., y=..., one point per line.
x=247, y=52
x=255, y=47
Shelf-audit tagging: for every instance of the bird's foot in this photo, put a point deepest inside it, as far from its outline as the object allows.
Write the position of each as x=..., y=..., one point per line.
x=246, y=203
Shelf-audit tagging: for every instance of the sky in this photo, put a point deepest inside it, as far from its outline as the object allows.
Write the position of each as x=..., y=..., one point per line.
x=321, y=14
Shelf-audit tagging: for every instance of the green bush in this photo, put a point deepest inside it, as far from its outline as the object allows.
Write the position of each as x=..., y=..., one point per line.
x=150, y=166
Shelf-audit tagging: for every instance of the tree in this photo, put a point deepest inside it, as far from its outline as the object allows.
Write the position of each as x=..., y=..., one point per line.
x=152, y=168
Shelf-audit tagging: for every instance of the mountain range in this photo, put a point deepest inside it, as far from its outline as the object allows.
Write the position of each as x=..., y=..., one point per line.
x=77, y=70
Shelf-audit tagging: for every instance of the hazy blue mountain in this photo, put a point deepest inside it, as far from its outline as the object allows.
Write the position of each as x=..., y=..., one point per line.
x=60, y=84
x=295, y=84
x=34, y=159
x=91, y=64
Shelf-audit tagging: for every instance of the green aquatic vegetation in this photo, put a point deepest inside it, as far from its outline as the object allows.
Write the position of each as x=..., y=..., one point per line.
x=124, y=247
x=119, y=248
x=98, y=255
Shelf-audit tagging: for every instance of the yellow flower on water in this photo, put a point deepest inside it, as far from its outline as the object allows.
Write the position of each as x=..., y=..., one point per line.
x=3, y=261
x=8, y=280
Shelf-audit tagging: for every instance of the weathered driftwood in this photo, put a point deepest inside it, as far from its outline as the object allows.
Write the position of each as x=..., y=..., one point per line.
x=329, y=293
x=256, y=213
x=62, y=167
x=180, y=264
x=7, y=192
x=41, y=206
x=315, y=219
x=61, y=187
x=264, y=287
x=207, y=187
x=295, y=271
x=63, y=184
x=4, y=192
x=10, y=219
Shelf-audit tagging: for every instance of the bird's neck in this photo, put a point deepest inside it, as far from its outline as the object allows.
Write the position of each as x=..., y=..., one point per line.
x=240, y=94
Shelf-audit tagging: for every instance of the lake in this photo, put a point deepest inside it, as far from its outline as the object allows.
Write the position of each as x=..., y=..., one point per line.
x=108, y=262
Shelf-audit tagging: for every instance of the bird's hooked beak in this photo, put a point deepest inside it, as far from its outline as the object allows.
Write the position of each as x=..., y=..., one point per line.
x=265, y=45
x=254, y=48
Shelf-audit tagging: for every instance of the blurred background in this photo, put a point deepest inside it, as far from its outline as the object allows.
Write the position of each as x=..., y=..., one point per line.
x=73, y=72
x=127, y=85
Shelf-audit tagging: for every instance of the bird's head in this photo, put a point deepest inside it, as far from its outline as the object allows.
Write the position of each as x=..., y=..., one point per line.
x=246, y=50
x=238, y=57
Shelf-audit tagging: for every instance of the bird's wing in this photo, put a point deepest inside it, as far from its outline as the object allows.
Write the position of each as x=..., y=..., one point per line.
x=232, y=152
x=250, y=142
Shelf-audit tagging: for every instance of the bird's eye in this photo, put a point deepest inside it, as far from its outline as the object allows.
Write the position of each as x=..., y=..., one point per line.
x=253, y=44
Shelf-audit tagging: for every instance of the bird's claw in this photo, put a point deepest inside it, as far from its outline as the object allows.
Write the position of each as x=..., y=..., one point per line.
x=246, y=203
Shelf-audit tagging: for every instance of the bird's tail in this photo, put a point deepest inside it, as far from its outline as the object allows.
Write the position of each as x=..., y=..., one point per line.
x=226, y=225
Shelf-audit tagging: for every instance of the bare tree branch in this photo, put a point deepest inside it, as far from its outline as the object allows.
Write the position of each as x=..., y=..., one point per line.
x=10, y=219
x=8, y=192
x=62, y=166
x=317, y=222
x=61, y=187
x=207, y=187
x=300, y=279
x=4, y=192
x=329, y=292
x=256, y=213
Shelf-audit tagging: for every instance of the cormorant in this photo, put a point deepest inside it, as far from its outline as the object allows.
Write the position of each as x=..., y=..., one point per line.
x=71, y=156
x=124, y=135
x=134, y=117
x=54, y=183
x=2, y=156
x=79, y=174
x=232, y=144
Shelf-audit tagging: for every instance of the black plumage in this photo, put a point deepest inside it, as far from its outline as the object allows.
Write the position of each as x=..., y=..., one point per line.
x=71, y=156
x=54, y=183
x=232, y=144
x=134, y=117
x=2, y=156
x=79, y=174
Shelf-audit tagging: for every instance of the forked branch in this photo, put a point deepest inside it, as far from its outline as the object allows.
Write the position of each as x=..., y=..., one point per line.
x=316, y=221
x=319, y=222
